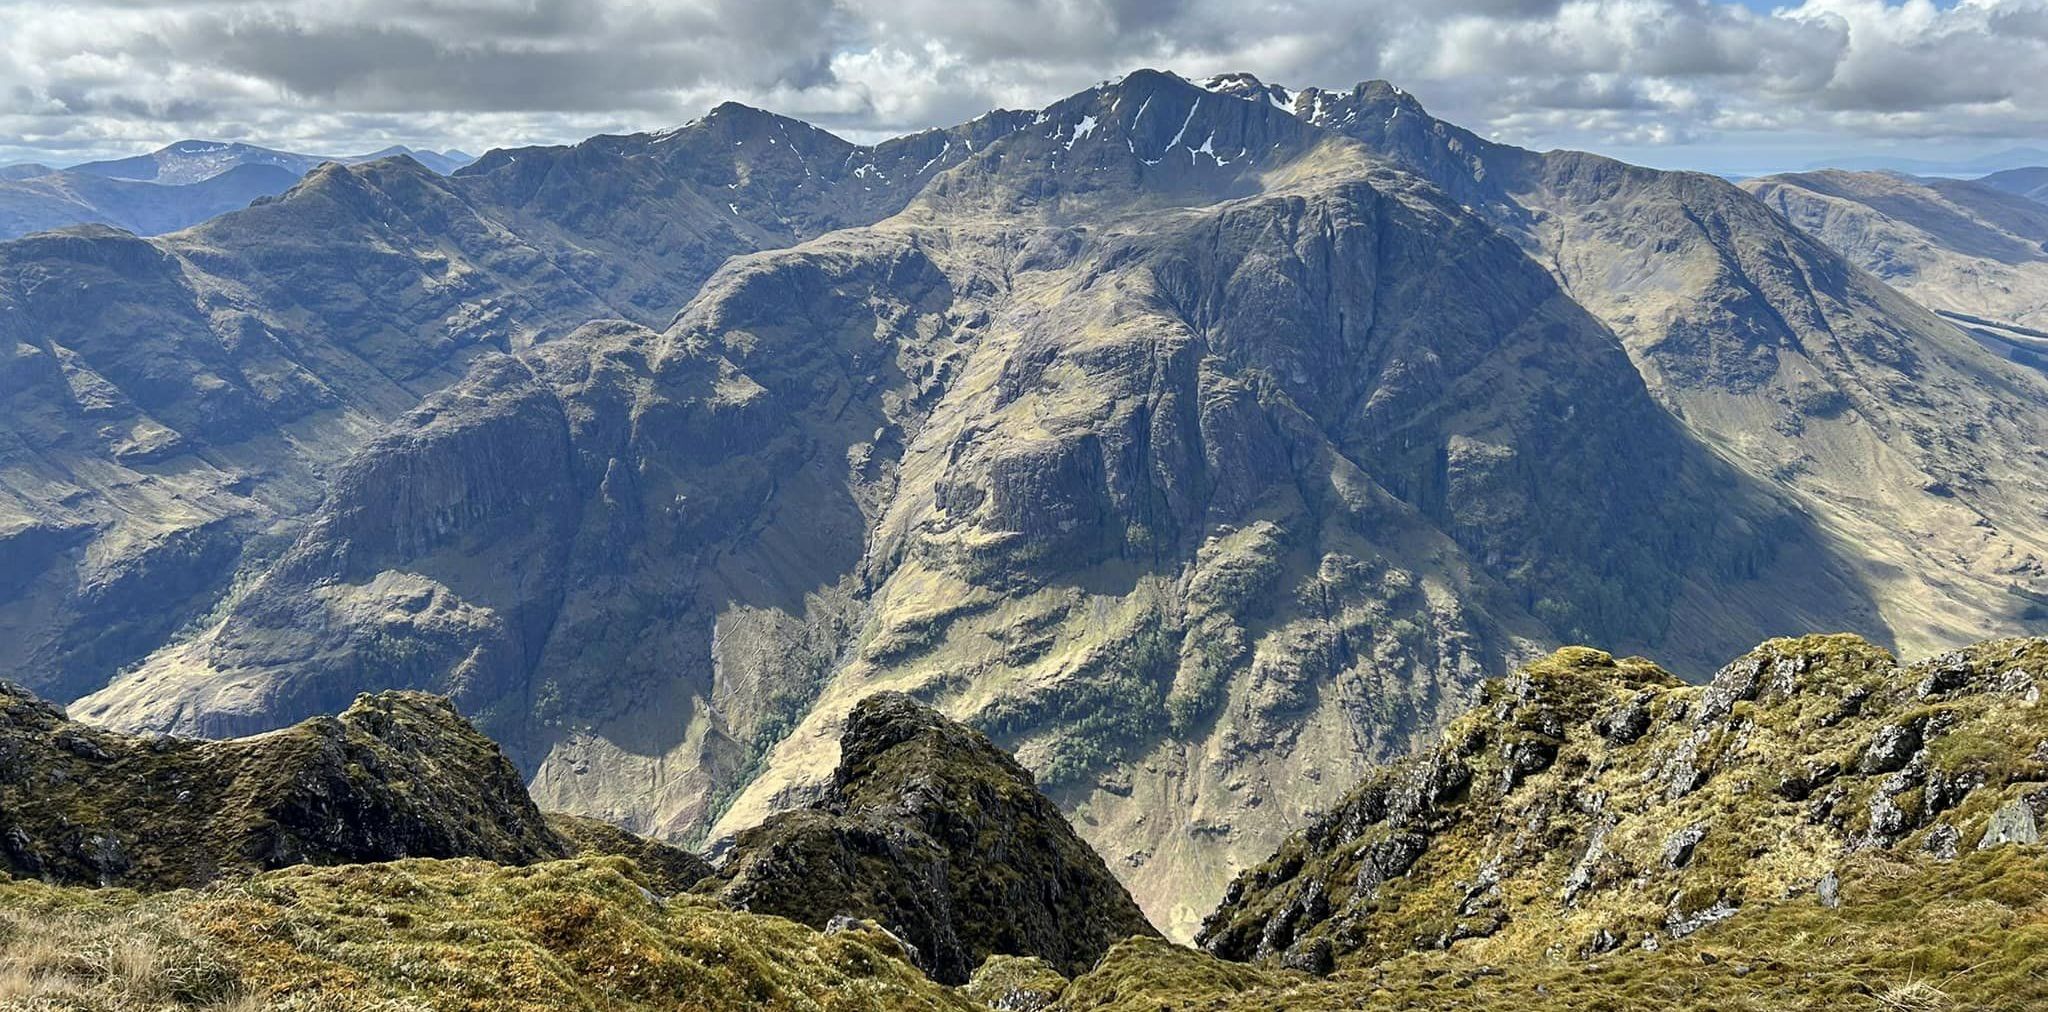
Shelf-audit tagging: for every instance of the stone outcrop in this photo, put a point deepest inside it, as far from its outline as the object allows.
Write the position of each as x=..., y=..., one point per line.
x=939, y=837
x=1531, y=829
x=396, y=775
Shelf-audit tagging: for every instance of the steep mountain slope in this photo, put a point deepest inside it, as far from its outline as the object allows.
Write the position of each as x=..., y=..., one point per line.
x=1180, y=445
x=1976, y=254
x=942, y=839
x=1909, y=443
x=57, y=199
x=170, y=403
x=1202, y=445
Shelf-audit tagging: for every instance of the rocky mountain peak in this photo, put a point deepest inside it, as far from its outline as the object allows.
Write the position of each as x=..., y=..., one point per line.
x=885, y=722
x=1150, y=136
x=941, y=838
x=737, y=124
x=80, y=804
x=1250, y=88
x=1367, y=100
x=396, y=775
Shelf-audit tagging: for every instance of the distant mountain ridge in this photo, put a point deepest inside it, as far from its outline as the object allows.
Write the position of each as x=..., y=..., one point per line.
x=55, y=200
x=193, y=161
x=174, y=187
x=1998, y=161
x=2030, y=182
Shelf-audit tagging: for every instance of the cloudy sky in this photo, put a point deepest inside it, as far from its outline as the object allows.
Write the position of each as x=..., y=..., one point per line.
x=1733, y=87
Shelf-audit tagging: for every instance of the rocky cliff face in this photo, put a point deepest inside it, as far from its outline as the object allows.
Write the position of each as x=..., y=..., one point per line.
x=1590, y=804
x=1802, y=371
x=941, y=838
x=1799, y=369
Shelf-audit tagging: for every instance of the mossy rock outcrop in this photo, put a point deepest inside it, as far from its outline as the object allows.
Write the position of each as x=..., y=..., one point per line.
x=399, y=774
x=1590, y=805
x=938, y=836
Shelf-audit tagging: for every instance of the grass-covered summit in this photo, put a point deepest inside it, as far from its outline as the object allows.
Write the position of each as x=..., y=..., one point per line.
x=418, y=935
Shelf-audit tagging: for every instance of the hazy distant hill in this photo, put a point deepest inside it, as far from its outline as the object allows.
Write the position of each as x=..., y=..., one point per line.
x=193, y=161
x=166, y=190
x=443, y=162
x=2030, y=182
x=58, y=199
x=2011, y=158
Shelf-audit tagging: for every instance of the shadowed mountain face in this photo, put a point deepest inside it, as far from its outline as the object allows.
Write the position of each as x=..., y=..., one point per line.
x=1200, y=445
x=1800, y=370
x=173, y=403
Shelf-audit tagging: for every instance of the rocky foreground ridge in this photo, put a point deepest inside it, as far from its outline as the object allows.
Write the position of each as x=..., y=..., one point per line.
x=399, y=774
x=1821, y=827
x=941, y=837
x=934, y=844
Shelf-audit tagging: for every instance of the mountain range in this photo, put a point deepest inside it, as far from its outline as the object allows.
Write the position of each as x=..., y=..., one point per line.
x=168, y=189
x=2019, y=158
x=1204, y=444
x=187, y=162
